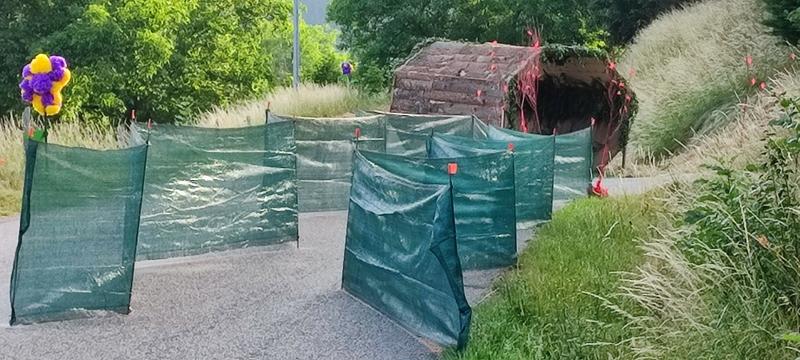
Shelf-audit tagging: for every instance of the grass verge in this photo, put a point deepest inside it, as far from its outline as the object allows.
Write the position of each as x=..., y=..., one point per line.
x=551, y=306
x=738, y=143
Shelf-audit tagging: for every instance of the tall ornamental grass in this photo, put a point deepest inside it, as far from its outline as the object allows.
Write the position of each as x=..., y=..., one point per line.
x=689, y=71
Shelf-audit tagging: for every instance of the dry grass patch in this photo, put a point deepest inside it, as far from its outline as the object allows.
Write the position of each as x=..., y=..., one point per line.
x=309, y=100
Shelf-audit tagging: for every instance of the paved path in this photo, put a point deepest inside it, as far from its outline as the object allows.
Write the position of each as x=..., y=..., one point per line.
x=632, y=186
x=260, y=303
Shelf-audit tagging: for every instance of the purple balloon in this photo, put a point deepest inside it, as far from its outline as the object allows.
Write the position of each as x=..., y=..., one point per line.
x=26, y=71
x=41, y=83
x=27, y=96
x=47, y=99
x=56, y=74
x=25, y=85
x=27, y=90
x=58, y=62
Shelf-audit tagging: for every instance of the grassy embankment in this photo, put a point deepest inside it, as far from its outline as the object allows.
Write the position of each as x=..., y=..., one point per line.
x=715, y=276
x=691, y=72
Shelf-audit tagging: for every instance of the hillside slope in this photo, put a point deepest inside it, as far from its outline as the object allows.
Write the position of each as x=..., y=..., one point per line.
x=690, y=71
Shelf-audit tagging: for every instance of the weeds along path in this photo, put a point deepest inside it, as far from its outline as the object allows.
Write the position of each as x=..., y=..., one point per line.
x=552, y=305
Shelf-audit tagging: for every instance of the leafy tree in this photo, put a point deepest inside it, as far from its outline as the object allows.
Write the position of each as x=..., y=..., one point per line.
x=507, y=21
x=167, y=59
x=784, y=18
x=383, y=32
x=320, y=64
x=21, y=24
x=624, y=18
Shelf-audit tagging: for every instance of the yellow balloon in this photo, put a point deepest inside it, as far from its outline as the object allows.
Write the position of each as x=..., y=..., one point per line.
x=57, y=98
x=37, y=104
x=53, y=109
x=41, y=64
x=59, y=85
x=67, y=77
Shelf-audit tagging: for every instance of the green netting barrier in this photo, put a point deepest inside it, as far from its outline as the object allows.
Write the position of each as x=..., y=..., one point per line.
x=539, y=157
x=217, y=189
x=78, y=232
x=408, y=135
x=483, y=196
x=574, y=161
x=325, y=147
x=533, y=162
x=325, y=157
x=401, y=256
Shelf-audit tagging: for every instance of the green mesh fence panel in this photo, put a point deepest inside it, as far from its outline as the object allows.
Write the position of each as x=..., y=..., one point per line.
x=401, y=256
x=539, y=158
x=483, y=196
x=408, y=134
x=533, y=162
x=325, y=157
x=574, y=159
x=78, y=232
x=325, y=147
x=217, y=189
x=406, y=143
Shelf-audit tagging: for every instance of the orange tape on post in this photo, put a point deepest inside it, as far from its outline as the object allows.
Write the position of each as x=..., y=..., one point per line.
x=358, y=133
x=133, y=115
x=511, y=147
x=452, y=169
x=149, y=123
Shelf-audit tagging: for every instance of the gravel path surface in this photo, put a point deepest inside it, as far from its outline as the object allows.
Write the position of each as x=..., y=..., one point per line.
x=261, y=303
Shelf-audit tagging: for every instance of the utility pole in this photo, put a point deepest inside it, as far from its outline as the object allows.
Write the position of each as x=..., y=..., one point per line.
x=296, y=52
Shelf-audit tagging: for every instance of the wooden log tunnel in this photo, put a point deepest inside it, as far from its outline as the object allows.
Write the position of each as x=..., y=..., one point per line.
x=574, y=85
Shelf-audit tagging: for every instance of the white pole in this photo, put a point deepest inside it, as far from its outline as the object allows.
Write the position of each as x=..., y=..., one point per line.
x=296, y=53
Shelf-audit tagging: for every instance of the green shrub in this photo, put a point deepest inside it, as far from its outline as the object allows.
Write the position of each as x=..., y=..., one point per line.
x=725, y=281
x=784, y=18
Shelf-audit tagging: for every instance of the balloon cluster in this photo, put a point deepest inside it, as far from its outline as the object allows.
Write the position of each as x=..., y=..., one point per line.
x=42, y=82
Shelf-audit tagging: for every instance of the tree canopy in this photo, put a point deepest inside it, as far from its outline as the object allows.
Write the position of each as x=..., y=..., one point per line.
x=381, y=33
x=167, y=59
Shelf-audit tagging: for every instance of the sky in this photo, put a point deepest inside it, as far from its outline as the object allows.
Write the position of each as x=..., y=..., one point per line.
x=316, y=11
